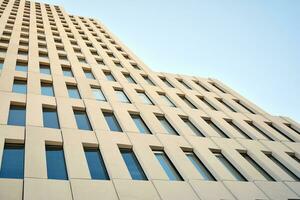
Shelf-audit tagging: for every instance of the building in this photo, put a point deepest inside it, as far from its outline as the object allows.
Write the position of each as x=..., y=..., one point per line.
x=83, y=118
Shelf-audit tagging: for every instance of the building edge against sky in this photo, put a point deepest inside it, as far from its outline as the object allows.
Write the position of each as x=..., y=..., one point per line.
x=82, y=117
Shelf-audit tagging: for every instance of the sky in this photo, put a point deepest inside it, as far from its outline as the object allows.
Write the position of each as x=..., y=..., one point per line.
x=253, y=46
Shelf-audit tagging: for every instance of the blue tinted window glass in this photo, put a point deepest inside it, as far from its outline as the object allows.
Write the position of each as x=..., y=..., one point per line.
x=144, y=98
x=67, y=72
x=216, y=128
x=45, y=70
x=133, y=165
x=89, y=75
x=82, y=120
x=195, y=130
x=129, y=79
x=96, y=164
x=148, y=80
x=140, y=124
x=47, y=89
x=20, y=87
x=167, y=126
x=112, y=122
x=12, y=165
x=109, y=77
x=200, y=167
x=22, y=68
x=17, y=115
x=56, y=166
x=122, y=96
x=98, y=94
x=50, y=118
x=168, y=167
x=1, y=66
x=73, y=92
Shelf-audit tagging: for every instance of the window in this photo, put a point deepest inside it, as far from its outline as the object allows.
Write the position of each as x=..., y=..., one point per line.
x=187, y=102
x=17, y=115
x=112, y=122
x=89, y=74
x=184, y=84
x=47, y=89
x=290, y=126
x=279, y=131
x=129, y=78
x=20, y=86
x=243, y=106
x=45, y=69
x=294, y=157
x=167, y=166
x=237, y=129
x=148, y=80
x=167, y=126
x=109, y=76
x=118, y=64
x=218, y=87
x=201, y=86
x=167, y=82
x=22, y=67
x=82, y=120
x=56, y=167
x=284, y=168
x=98, y=94
x=95, y=163
x=257, y=167
x=226, y=105
x=50, y=118
x=133, y=165
x=234, y=172
x=167, y=100
x=73, y=92
x=207, y=103
x=200, y=166
x=144, y=98
x=1, y=65
x=12, y=164
x=259, y=130
x=217, y=129
x=67, y=72
x=121, y=96
x=140, y=124
x=192, y=127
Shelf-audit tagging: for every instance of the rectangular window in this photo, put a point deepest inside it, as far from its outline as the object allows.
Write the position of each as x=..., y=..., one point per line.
x=226, y=105
x=167, y=126
x=109, y=76
x=133, y=165
x=121, y=96
x=20, y=86
x=241, y=132
x=89, y=74
x=243, y=106
x=257, y=167
x=47, y=89
x=234, y=172
x=129, y=78
x=207, y=103
x=17, y=115
x=22, y=67
x=167, y=82
x=56, y=166
x=140, y=124
x=12, y=164
x=217, y=129
x=167, y=100
x=271, y=125
x=98, y=94
x=45, y=69
x=112, y=122
x=218, y=87
x=167, y=166
x=292, y=128
x=148, y=80
x=144, y=98
x=67, y=72
x=284, y=168
x=193, y=128
x=82, y=120
x=294, y=157
x=201, y=86
x=96, y=164
x=187, y=102
x=73, y=92
x=50, y=118
x=259, y=130
x=184, y=84
x=200, y=166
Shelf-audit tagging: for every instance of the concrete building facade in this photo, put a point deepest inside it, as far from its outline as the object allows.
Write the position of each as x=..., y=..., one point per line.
x=83, y=118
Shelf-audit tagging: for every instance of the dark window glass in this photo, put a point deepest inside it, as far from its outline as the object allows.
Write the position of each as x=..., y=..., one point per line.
x=184, y=84
x=207, y=103
x=17, y=115
x=20, y=86
x=201, y=86
x=243, y=106
x=45, y=69
x=112, y=122
x=56, y=166
x=280, y=132
x=259, y=130
x=217, y=129
x=133, y=165
x=292, y=128
x=167, y=165
x=195, y=130
x=235, y=173
x=226, y=105
x=47, y=89
x=12, y=164
x=140, y=124
x=295, y=157
x=96, y=164
x=238, y=129
x=218, y=87
x=188, y=102
x=50, y=118
x=200, y=166
x=167, y=82
x=82, y=120
x=167, y=126
x=73, y=92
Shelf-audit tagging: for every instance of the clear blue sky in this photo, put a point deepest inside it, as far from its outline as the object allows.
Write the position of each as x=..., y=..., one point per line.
x=251, y=45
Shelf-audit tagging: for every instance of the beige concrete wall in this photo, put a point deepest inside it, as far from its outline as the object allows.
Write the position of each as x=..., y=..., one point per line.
x=59, y=31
